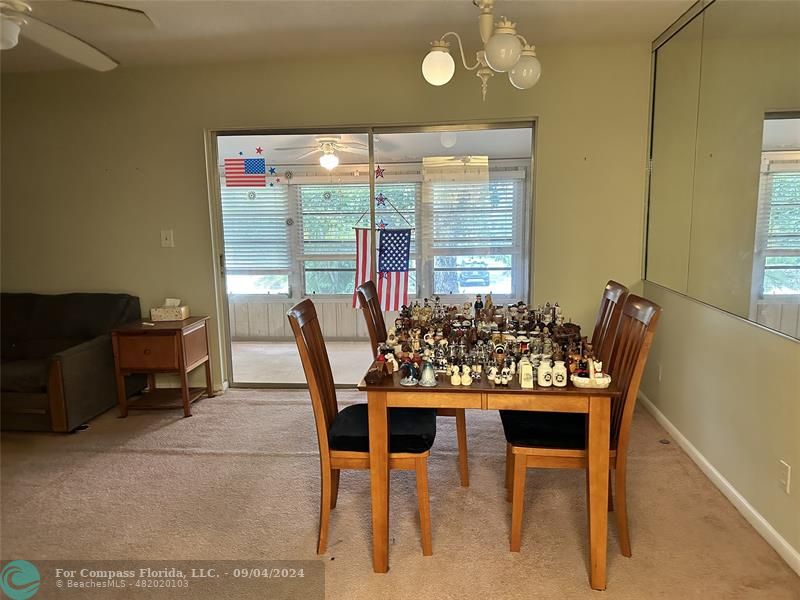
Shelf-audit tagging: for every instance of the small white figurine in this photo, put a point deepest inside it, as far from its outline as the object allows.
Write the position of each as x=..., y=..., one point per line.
x=505, y=376
x=455, y=378
x=392, y=363
x=466, y=378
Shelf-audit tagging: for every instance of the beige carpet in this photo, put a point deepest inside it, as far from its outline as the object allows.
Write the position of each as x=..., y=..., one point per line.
x=239, y=480
x=279, y=362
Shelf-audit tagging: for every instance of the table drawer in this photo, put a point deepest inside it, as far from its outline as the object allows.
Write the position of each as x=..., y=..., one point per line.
x=159, y=352
x=541, y=402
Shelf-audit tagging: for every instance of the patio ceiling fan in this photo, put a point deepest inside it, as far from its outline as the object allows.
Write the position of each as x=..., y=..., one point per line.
x=16, y=17
x=328, y=146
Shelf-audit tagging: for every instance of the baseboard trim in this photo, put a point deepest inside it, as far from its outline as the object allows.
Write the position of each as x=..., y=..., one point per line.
x=759, y=523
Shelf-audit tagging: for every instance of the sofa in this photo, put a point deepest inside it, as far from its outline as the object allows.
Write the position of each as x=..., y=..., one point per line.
x=56, y=358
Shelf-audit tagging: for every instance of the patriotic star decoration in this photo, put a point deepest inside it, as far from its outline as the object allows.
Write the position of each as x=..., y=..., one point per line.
x=382, y=224
x=259, y=150
x=272, y=170
x=379, y=171
x=380, y=199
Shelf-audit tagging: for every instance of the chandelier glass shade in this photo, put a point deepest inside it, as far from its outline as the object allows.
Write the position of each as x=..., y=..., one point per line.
x=438, y=66
x=329, y=161
x=504, y=51
x=9, y=32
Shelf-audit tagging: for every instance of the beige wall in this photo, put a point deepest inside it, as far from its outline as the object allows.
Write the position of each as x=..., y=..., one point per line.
x=95, y=165
x=732, y=389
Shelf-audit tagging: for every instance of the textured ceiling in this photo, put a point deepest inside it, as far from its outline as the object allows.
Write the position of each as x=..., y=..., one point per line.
x=192, y=31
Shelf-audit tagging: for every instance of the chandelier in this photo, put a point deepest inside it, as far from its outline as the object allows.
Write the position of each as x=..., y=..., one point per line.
x=504, y=51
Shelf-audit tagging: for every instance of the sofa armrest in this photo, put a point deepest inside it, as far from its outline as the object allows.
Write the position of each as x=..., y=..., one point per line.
x=88, y=383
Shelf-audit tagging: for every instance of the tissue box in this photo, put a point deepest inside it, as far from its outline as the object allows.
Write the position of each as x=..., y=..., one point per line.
x=169, y=313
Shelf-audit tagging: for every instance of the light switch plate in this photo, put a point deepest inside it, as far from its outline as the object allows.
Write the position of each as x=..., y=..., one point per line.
x=167, y=238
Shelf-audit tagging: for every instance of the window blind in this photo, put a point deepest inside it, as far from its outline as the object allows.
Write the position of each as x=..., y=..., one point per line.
x=466, y=215
x=329, y=213
x=255, y=230
x=778, y=226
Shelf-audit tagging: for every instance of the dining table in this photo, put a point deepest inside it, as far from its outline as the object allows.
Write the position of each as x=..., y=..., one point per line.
x=486, y=395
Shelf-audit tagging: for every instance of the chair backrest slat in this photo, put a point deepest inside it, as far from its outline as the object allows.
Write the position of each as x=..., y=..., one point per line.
x=637, y=325
x=371, y=307
x=314, y=357
x=608, y=317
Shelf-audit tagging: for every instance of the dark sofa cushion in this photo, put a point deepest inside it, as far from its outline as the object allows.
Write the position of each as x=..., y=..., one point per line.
x=544, y=429
x=37, y=325
x=25, y=375
x=410, y=429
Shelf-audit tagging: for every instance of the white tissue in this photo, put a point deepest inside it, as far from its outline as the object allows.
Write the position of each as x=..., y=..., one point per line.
x=172, y=302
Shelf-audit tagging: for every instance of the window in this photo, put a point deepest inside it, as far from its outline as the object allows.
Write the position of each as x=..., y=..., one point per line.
x=329, y=213
x=256, y=238
x=778, y=225
x=474, y=235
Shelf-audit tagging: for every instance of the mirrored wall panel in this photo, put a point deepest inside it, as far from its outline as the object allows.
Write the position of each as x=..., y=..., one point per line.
x=724, y=213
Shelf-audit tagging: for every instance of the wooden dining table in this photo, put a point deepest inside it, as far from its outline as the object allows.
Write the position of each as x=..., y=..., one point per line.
x=483, y=395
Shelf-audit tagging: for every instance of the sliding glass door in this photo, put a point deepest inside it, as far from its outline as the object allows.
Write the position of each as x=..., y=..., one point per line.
x=440, y=211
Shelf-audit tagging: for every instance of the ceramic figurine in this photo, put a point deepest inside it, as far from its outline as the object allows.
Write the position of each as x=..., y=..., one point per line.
x=455, y=377
x=428, y=377
x=391, y=363
x=559, y=375
x=525, y=374
x=545, y=374
x=598, y=369
x=466, y=378
x=505, y=376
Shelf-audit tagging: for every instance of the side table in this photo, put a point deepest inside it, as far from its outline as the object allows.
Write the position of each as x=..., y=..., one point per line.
x=162, y=347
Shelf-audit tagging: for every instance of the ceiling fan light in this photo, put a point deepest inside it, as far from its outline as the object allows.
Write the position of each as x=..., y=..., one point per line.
x=9, y=32
x=504, y=47
x=527, y=71
x=438, y=66
x=329, y=161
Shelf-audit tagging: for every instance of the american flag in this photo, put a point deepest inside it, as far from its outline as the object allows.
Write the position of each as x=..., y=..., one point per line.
x=363, y=260
x=394, y=251
x=245, y=172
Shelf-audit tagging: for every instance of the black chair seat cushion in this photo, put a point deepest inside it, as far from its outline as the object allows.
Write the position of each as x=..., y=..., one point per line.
x=410, y=429
x=544, y=429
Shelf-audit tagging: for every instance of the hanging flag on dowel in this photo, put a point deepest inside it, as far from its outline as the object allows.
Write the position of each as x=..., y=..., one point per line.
x=394, y=250
x=363, y=260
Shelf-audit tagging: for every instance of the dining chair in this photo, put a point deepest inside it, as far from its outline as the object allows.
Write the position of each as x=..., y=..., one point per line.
x=343, y=436
x=370, y=305
x=608, y=315
x=558, y=440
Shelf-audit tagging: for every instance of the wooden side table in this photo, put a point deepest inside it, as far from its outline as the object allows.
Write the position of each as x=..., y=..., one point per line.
x=162, y=347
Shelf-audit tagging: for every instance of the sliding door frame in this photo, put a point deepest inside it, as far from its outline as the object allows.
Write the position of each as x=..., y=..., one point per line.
x=222, y=310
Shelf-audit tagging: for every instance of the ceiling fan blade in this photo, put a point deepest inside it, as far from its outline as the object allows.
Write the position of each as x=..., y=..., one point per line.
x=351, y=150
x=134, y=15
x=314, y=151
x=316, y=147
x=67, y=45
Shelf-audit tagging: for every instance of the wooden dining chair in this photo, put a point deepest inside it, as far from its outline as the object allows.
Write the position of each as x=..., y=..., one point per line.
x=343, y=435
x=608, y=316
x=371, y=307
x=558, y=440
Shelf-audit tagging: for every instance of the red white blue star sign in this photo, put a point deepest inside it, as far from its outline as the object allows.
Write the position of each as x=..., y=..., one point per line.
x=380, y=200
x=382, y=224
x=379, y=171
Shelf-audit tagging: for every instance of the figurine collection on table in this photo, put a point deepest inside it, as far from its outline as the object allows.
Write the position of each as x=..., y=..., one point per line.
x=514, y=345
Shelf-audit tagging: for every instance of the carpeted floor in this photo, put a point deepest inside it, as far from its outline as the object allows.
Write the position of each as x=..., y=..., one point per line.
x=239, y=480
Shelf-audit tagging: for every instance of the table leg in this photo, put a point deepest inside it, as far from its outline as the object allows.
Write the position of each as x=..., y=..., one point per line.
x=122, y=399
x=209, y=384
x=151, y=382
x=379, y=479
x=597, y=495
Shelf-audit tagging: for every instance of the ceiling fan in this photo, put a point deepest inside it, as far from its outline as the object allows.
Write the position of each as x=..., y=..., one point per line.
x=16, y=17
x=328, y=146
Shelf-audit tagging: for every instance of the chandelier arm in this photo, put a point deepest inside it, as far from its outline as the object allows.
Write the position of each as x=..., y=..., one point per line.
x=461, y=49
x=524, y=41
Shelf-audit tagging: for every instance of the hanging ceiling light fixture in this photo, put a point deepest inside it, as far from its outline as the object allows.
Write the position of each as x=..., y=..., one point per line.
x=504, y=51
